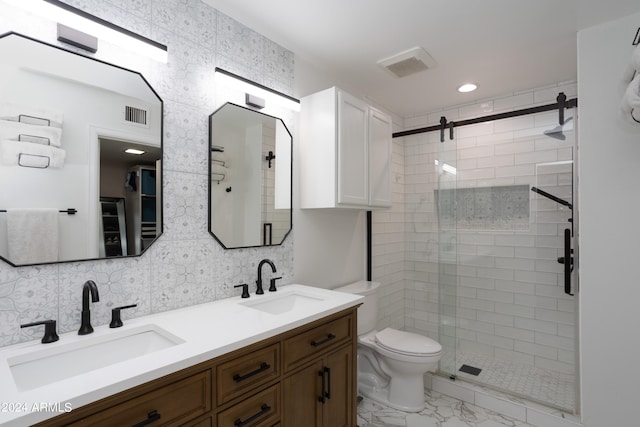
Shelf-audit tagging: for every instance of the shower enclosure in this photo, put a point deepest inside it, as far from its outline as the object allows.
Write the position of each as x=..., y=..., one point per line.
x=490, y=231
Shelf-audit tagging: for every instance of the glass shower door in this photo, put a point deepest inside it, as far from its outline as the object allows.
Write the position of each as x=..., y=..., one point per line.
x=505, y=233
x=445, y=200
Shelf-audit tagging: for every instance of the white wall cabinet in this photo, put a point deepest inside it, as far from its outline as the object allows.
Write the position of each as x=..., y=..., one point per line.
x=345, y=152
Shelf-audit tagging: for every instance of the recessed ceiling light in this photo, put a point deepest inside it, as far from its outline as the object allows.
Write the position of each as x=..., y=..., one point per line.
x=467, y=87
x=133, y=151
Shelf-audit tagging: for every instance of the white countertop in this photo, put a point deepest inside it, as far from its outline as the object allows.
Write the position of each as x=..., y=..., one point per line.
x=208, y=331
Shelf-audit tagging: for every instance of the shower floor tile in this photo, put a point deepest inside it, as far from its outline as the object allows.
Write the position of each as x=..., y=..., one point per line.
x=544, y=386
x=440, y=411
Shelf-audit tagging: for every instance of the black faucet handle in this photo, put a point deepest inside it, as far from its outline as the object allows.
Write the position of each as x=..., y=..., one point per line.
x=50, y=334
x=245, y=290
x=116, y=321
x=272, y=283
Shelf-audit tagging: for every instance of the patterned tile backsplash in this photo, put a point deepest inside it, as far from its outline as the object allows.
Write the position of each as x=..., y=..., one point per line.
x=484, y=208
x=186, y=266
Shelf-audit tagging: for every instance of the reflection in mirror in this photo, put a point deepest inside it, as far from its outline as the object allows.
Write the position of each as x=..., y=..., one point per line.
x=250, y=178
x=68, y=190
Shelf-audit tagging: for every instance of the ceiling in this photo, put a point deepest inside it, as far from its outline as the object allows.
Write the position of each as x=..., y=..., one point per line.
x=503, y=46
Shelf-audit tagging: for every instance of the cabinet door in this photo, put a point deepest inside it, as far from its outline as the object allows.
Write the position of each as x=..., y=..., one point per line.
x=352, y=155
x=379, y=159
x=301, y=398
x=337, y=410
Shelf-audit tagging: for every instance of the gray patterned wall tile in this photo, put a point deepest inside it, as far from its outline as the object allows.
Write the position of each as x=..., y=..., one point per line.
x=186, y=138
x=185, y=206
x=27, y=294
x=186, y=265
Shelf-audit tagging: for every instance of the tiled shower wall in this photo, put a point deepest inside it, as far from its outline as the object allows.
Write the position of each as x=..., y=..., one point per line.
x=507, y=286
x=186, y=266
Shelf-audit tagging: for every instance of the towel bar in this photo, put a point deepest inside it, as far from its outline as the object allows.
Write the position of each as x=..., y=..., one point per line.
x=70, y=211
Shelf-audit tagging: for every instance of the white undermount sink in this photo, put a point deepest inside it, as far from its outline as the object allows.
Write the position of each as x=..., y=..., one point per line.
x=50, y=364
x=284, y=301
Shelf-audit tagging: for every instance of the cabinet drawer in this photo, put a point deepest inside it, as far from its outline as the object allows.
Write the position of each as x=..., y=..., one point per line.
x=244, y=372
x=315, y=341
x=175, y=404
x=262, y=409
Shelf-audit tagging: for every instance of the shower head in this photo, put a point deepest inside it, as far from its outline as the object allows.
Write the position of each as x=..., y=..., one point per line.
x=556, y=132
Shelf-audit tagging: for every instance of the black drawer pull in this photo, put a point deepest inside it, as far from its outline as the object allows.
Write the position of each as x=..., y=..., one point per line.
x=263, y=367
x=327, y=393
x=327, y=339
x=263, y=410
x=323, y=393
x=152, y=416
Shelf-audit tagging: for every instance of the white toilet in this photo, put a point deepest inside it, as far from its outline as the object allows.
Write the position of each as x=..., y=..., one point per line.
x=391, y=363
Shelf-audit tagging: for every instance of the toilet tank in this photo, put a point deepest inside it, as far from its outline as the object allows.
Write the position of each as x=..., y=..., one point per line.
x=368, y=311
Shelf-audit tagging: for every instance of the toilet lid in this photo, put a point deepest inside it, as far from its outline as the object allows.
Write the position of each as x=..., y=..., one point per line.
x=407, y=342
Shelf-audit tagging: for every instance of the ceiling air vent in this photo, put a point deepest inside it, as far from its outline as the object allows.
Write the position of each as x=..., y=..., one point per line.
x=408, y=62
x=135, y=115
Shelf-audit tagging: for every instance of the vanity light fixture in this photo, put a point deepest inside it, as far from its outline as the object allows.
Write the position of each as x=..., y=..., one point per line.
x=256, y=91
x=91, y=25
x=467, y=87
x=133, y=151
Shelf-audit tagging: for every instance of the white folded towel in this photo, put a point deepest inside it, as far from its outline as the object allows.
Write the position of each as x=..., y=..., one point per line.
x=220, y=158
x=218, y=172
x=630, y=105
x=32, y=235
x=17, y=131
x=31, y=115
x=32, y=155
x=634, y=65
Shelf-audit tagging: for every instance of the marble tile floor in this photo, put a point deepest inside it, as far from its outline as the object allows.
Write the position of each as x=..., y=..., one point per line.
x=540, y=385
x=440, y=411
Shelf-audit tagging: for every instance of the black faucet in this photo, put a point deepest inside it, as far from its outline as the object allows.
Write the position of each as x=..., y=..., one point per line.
x=259, y=290
x=89, y=286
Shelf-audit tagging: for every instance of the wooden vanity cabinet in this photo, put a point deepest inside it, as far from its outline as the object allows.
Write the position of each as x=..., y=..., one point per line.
x=303, y=377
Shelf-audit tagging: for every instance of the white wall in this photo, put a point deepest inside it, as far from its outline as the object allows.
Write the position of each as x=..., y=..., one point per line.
x=609, y=161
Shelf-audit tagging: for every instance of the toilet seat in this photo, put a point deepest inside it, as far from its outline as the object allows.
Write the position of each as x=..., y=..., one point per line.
x=370, y=340
x=407, y=343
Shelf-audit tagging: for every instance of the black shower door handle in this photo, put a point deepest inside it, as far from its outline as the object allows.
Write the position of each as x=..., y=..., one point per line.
x=567, y=260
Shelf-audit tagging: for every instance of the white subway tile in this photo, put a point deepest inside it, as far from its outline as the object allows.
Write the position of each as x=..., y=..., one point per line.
x=514, y=310
x=536, y=349
x=513, y=102
x=495, y=161
x=554, y=341
x=536, y=325
x=514, y=357
x=514, y=147
x=515, y=333
x=496, y=318
x=514, y=124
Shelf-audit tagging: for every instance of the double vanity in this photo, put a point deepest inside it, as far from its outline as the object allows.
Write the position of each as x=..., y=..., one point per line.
x=284, y=358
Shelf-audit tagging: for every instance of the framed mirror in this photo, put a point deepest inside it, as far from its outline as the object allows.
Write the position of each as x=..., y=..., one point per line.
x=69, y=188
x=250, y=178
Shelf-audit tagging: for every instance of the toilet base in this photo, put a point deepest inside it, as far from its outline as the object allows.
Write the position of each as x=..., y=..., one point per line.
x=382, y=396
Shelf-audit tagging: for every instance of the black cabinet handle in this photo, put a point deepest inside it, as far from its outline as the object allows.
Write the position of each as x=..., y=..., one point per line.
x=263, y=410
x=327, y=393
x=323, y=393
x=152, y=416
x=263, y=367
x=319, y=343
